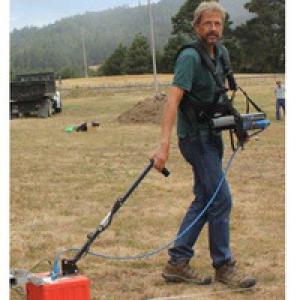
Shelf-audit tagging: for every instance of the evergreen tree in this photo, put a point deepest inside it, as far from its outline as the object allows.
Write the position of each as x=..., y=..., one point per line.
x=263, y=37
x=159, y=62
x=138, y=59
x=182, y=22
x=233, y=45
x=114, y=64
x=170, y=51
x=68, y=72
x=183, y=32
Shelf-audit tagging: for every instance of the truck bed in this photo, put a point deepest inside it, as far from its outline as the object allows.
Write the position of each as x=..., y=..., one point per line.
x=30, y=91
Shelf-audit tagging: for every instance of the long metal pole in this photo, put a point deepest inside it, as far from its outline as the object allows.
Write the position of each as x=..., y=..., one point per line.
x=69, y=266
x=84, y=56
x=153, y=48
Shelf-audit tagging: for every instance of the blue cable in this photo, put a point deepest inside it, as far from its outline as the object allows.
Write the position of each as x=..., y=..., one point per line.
x=56, y=269
x=156, y=251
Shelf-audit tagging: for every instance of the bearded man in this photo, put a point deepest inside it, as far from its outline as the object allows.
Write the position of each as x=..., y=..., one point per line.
x=202, y=148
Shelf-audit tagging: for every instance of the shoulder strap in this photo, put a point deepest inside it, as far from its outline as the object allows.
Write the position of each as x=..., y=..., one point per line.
x=210, y=65
x=225, y=57
x=190, y=109
x=227, y=68
x=189, y=45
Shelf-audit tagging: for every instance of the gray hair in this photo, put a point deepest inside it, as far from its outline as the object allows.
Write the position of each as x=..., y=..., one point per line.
x=208, y=6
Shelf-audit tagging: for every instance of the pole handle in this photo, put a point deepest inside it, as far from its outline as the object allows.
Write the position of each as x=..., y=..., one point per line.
x=164, y=171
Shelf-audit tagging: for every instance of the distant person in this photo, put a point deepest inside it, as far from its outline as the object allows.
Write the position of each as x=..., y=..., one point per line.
x=280, y=98
x=202, y=148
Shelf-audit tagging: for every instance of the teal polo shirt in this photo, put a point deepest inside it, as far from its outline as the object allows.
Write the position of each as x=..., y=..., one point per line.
x=197, y=82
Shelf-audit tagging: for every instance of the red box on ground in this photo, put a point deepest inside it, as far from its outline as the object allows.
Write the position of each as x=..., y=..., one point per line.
x=65, y=288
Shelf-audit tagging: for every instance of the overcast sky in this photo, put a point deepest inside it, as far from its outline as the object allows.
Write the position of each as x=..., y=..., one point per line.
x=42, y=12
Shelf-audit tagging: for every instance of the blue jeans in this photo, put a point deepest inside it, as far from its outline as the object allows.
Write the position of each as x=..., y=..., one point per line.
x=204, y=153
x=280, y=103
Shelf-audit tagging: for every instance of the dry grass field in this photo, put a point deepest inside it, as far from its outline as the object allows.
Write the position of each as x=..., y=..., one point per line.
x=63, y=184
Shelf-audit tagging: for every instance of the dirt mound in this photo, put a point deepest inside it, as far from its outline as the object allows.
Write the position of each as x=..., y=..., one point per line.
x=148, y=111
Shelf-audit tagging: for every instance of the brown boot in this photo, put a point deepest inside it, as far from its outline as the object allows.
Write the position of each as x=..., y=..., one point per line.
x=230, y=275
x=183, y=272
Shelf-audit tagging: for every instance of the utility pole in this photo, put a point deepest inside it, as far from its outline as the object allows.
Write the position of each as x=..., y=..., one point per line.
x=84, y=56
x=153, y=47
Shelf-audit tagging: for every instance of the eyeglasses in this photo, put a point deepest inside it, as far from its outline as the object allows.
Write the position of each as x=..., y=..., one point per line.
x=211, y=24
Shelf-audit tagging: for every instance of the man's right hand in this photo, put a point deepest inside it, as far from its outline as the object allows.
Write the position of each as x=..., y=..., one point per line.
x=160, y=156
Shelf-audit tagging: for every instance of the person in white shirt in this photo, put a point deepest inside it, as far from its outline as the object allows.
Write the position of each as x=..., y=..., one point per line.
x=280, y=98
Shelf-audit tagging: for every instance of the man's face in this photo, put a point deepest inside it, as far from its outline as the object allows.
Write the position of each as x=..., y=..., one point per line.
x=210, y=27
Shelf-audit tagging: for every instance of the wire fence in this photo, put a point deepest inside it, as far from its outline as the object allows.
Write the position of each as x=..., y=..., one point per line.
x=150, y=85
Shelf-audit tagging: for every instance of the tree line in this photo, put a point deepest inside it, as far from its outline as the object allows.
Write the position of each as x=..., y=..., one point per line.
x=118, y=39
x=256, y=46
x=58, y=47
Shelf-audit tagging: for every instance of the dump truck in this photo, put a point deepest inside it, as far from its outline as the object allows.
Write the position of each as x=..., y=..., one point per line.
x=34, y=94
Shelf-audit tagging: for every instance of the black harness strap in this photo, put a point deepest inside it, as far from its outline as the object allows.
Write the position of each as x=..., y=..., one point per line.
x=211, y=67
x=194, y=111
x=227, y=68
x=199, y=111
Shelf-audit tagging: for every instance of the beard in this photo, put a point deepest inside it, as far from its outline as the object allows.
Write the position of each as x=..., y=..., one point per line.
x=212, y=37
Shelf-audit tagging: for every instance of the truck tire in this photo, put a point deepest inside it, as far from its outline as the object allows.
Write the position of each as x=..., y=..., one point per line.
x=50, y=108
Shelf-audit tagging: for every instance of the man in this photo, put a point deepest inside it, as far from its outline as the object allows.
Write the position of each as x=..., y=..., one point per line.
x=202, y=148
x=280, y=98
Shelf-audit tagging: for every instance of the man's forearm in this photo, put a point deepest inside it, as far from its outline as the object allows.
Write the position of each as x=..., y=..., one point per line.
x=169, y=115
x=161, y=154
x=168, y=120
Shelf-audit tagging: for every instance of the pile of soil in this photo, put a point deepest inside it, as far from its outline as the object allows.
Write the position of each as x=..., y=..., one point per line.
x=148, y=111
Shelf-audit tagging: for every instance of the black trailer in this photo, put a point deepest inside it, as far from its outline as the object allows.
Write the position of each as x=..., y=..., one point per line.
x=34, y=94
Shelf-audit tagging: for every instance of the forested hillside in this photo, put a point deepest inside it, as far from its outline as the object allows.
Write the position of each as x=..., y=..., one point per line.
x=59, y=46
